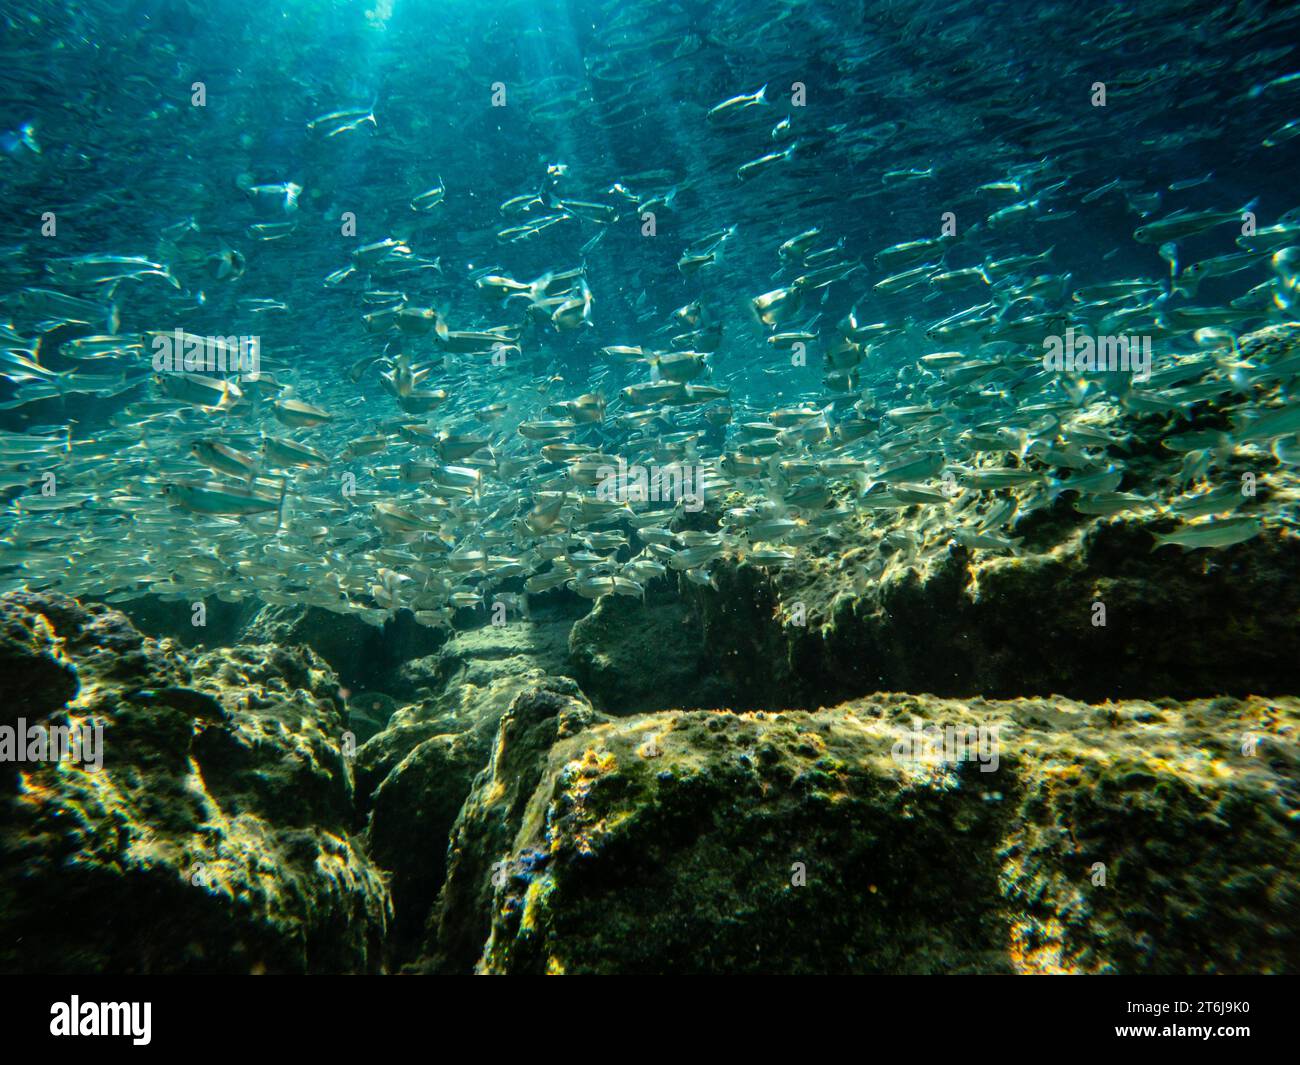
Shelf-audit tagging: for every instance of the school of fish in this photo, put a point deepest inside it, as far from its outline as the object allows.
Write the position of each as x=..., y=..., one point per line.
x=805, y=255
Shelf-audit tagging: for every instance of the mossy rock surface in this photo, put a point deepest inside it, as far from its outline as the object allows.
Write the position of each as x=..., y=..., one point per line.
x=485, y=828
x=39, y=676
x=215, y=837
x=1180, y=624
x=632, y=656
x=364, y=656
x=1128, y=837
x=414, y=776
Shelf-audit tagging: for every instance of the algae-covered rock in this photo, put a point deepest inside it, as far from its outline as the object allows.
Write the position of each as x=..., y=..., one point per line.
x=1127, y=837
x=411, y=815
x=1062, y=591
x=363, y=655
x=631, y=656
x=222, y=622
x=414, y=776
x=463, y=688
x=482, y=836
x=38, y=676
x=480, y=657
x=1095, y=614
x=214, y=837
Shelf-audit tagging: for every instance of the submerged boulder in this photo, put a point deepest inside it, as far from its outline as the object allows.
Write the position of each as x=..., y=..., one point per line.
x=1090, y=608
x=632, y=656
x=39, y=677
x=1179, y=583
x=363, y=655
x=888, y=835
x=485, y=828
x=414, y=776
x=1097, y=616
x=214, y=835
x=511, y=827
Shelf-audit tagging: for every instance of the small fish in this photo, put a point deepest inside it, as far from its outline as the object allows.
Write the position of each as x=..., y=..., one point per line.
x=736, y=104
x=1224, y=533
x=429, y=199
x=298, y=415
x=1187, y=223
x=749, y=170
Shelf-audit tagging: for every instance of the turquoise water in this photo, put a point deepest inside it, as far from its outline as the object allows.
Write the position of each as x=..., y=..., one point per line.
x=471, y=294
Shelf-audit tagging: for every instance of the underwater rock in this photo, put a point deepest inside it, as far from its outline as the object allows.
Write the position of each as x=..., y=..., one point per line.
x=485, y=826
x=414, y=776
x=465, y=687
x=363, y=655
x=1175, y=624
x=216, y=834
x=1128, y=837
x=222, y=625
x=1091, y=608
x=632, y=657
x=38, y=677
x=481, y=656
x=368, y=713
x=411, y=815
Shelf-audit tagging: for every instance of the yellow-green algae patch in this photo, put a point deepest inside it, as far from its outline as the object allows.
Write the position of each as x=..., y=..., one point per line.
x=1122, y=837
